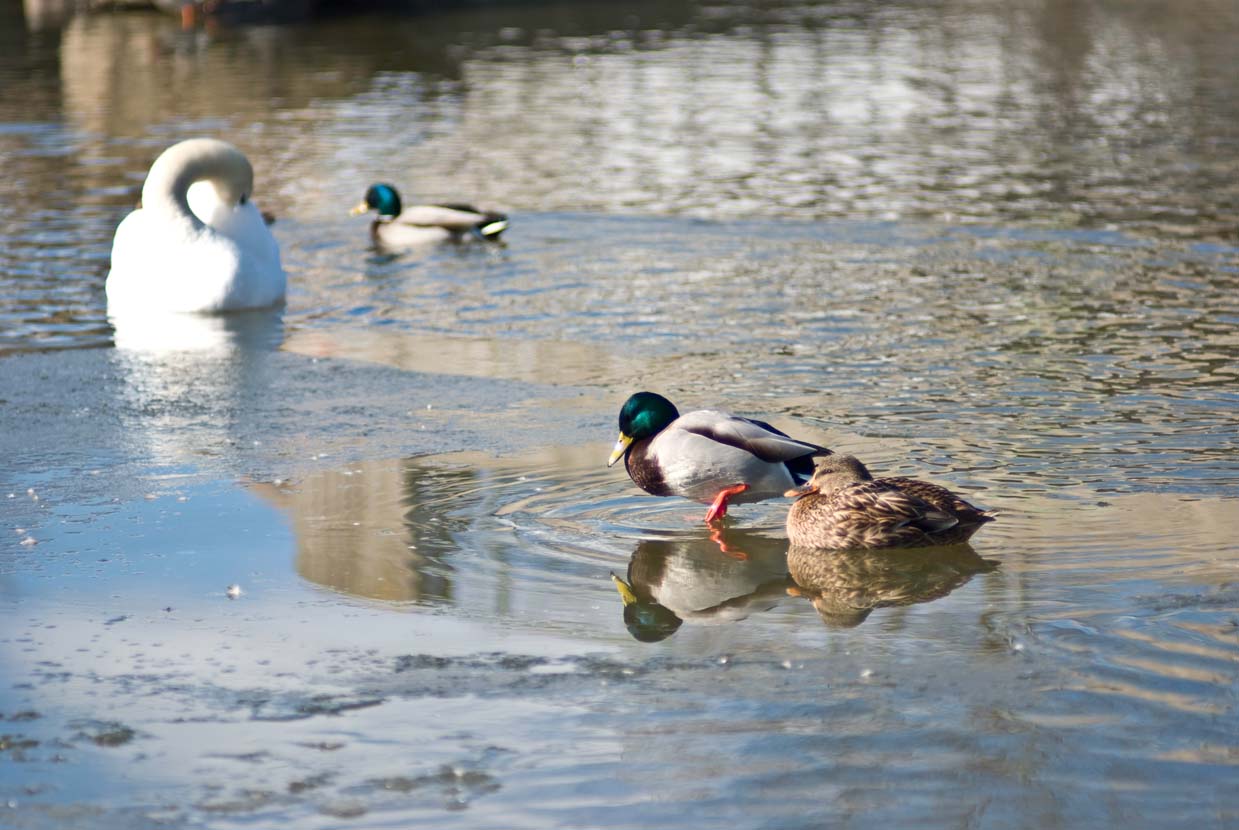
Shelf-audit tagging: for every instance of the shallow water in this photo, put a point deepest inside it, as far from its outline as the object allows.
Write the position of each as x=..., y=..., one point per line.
x=988, y=244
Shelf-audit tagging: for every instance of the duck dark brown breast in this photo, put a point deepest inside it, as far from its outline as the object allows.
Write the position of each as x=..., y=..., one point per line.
x=644, y=471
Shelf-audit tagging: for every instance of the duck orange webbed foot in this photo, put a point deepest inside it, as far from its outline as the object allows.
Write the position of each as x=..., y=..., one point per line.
x=719, y=508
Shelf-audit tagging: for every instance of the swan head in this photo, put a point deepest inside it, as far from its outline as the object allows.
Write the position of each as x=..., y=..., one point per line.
x=382, y=198
x=206, y=160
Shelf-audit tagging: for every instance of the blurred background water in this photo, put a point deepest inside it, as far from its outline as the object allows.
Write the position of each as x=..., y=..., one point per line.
x=990, y=244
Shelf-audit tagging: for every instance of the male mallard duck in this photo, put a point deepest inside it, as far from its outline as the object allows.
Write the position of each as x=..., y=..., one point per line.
x=197, y=243
x=843, y=506
x=401, y=227
x=707, y=456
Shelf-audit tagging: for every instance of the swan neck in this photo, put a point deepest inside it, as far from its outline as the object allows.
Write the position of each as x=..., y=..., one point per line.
x=169, y=195
x=198, y=159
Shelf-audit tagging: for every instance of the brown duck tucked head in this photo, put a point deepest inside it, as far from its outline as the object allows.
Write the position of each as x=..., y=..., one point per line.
x=832, y=473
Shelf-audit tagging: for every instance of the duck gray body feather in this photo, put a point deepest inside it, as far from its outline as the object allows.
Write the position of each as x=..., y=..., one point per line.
x=428, y=224
x=703, y=452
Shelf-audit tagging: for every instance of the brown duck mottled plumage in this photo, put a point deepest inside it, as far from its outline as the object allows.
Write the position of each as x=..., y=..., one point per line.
x=843, y=506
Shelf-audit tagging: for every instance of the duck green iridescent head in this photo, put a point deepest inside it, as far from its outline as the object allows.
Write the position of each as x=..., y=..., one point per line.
x=646, y=621
x=643, y=415
x=382, y=198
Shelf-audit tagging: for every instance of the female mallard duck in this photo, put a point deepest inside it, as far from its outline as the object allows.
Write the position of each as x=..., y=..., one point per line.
x=197, y=243
x=843, y=506
x=707, y=456
x=401, y=227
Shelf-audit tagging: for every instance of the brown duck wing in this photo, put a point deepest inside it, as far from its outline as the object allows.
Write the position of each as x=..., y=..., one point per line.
x=867, y=514
x=882, y=504
x=940, y=498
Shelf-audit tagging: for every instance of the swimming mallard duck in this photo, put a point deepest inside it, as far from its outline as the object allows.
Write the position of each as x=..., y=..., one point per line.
x=197, y=243
x=843, y=506
x=707, y=456
x=401, y=227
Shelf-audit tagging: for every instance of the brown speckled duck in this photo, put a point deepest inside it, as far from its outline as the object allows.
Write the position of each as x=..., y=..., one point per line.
x=843, y=506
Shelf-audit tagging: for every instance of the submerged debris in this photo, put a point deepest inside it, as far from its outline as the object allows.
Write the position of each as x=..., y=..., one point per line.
x=105, y=733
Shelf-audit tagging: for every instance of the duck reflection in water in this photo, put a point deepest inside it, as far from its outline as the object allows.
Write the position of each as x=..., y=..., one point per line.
x=846, y=585
x=720, y=578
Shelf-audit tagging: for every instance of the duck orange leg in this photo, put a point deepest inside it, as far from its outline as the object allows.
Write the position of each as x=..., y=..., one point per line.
x=719, y=508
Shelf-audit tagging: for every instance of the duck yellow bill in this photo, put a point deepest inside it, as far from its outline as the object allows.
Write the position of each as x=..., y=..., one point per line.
x=359, y=209
x=625, y=591
x=797, y=492
x=621, y=447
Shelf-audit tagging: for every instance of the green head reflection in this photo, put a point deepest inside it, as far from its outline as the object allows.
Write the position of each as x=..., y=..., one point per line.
x=646, y=621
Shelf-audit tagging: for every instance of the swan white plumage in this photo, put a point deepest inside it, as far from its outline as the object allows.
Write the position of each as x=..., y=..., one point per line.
x=198, y=243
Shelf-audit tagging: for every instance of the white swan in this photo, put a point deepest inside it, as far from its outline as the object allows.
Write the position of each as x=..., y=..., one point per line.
x=197, y=243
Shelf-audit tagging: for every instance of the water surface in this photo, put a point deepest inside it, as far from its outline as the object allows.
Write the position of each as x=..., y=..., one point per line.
x=992, y=245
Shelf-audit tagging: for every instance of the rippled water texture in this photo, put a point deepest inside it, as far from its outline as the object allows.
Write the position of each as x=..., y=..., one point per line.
x=988, y=244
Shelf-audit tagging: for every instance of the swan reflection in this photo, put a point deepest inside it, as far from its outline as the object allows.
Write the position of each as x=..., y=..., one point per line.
x=189, y=380
x=166, y=335
x=720, y=578
x=846, y=585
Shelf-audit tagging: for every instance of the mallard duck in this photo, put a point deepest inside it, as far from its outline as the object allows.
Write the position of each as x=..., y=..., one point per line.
x=707, y=456
x=846, y=585
x=843, y=506
x=702, y=580
x=197, y=243
x=401, y=227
